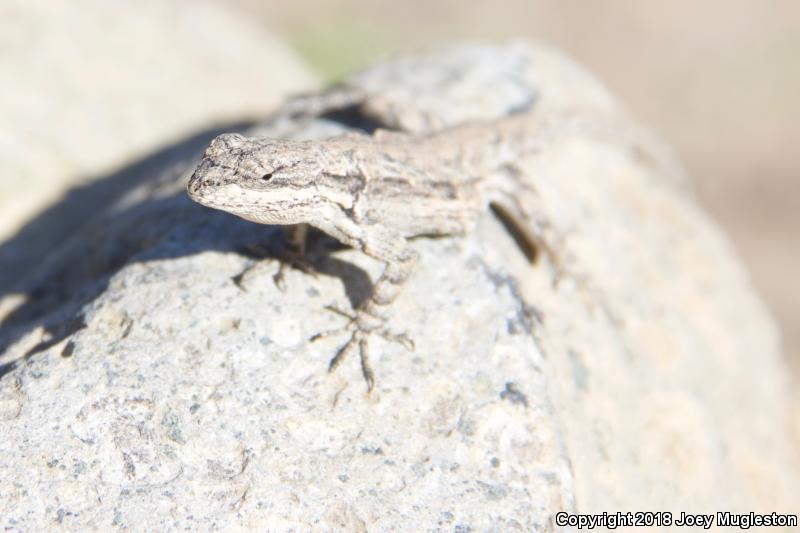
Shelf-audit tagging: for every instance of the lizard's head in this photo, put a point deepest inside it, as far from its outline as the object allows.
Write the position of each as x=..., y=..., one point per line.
x=263, y=180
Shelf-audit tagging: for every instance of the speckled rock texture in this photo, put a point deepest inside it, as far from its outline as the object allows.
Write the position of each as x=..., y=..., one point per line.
x=142, y=389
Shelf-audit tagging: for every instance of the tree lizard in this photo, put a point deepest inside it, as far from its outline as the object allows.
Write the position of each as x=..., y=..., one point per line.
x=374, y=192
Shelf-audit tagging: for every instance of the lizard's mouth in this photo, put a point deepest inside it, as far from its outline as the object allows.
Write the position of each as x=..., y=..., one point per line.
x=230, y=198
x=264, y=207
x=198, y=189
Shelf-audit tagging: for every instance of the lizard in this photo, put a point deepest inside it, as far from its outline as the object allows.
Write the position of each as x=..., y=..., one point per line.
x=375, y=192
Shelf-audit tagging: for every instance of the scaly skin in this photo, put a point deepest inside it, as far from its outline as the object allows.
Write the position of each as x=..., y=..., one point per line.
x=375, y=192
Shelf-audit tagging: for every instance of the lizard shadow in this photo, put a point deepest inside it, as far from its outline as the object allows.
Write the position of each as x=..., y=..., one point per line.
x=64, y=258
x=318, y=256
x=37, y=238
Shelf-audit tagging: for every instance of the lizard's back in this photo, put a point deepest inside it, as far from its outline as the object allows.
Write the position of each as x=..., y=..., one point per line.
x=414, y=189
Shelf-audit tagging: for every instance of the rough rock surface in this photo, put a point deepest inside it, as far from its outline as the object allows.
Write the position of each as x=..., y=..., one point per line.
x=89, y=86
x=143, y=389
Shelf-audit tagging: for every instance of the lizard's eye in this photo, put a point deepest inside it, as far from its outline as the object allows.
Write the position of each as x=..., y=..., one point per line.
x=267, y=176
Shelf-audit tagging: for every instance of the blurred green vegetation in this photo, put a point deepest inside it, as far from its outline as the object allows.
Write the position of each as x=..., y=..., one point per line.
x=337, y=47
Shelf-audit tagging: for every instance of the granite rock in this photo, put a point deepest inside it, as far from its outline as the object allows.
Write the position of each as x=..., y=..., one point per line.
x=143, y=389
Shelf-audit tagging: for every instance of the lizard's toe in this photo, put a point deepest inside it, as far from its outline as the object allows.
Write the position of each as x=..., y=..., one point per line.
x=400, y=338
x=360, y=326
x=296, y=262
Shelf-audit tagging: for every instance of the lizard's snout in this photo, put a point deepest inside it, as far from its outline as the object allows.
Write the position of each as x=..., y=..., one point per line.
x=196, y=187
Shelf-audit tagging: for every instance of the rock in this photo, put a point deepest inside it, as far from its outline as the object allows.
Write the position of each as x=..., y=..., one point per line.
x=93, y=86
x=144, y=389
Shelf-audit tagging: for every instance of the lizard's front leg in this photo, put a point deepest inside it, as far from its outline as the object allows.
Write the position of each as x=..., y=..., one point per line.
x=370, y=316
x=293, y=257
x=399, y=258
x=295, y=254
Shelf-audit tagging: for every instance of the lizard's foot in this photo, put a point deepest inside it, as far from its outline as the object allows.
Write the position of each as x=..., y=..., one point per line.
x=241, y=279
x=366, y=323
x=296, y=261
x=361, y=326
x=356, y=338
x=293, y=261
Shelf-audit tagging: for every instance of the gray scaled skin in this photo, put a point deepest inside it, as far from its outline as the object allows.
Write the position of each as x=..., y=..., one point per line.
x=375, y=192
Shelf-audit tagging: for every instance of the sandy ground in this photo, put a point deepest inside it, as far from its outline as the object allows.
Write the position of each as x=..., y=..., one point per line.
x=718, y=79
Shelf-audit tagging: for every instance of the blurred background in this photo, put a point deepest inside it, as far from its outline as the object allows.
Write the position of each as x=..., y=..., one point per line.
x=718, y=79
